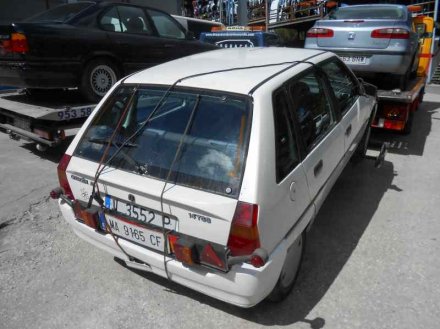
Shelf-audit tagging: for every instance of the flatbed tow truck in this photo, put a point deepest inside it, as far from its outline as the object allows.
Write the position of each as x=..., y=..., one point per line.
x=396, y=108
x=47, y=118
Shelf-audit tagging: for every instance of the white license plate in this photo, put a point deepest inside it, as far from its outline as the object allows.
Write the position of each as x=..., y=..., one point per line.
x=360, y=60
x=75, y=113
x=136, y=233
x=140, y=214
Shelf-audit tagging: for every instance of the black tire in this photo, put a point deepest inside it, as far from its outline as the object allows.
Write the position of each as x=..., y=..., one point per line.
x=403, y=80
x=290, y=270
x=408, y=126
x=361, y=150
x=98, y=77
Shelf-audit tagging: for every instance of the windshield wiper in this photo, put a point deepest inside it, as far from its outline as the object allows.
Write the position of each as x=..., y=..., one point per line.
x=140, y=168
x=99, y=140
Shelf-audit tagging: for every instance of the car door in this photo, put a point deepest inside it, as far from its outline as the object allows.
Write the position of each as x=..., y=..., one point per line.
x=133, y=37
x=322, y=137
x=289, y=197
x=173, y=37
x=345, y=88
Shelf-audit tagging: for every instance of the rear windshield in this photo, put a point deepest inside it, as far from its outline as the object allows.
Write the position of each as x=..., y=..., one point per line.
x=368, y=12
x=59, y=14
x=212, y=152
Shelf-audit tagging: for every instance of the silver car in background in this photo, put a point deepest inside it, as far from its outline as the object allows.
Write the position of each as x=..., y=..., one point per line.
x=370, y=39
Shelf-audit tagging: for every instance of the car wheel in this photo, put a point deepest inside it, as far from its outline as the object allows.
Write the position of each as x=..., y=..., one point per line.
x=98, y=77
x=290, y=270
x=403, y=80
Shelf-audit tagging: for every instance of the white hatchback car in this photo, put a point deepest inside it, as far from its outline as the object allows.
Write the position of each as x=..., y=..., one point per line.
x=208, y=169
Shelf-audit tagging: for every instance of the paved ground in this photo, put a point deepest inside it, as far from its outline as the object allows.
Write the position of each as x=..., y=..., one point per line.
x=372, y=259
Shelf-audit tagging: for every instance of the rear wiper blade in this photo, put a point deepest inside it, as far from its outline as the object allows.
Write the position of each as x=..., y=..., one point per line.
x=107, y=140
x=140, y=168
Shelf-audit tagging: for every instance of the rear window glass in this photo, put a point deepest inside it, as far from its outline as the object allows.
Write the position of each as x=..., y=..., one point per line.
x=60, y=13
x=368, y=12
x=212, y=152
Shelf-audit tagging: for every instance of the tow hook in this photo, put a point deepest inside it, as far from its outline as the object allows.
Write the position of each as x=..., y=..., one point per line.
x=258, y=258
x=381, y=157
x=58, y=193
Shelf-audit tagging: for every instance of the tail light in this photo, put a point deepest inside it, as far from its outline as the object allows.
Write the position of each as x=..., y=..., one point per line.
x=62, y=176
x=16, y=44
x=244, y=237
x=390, y=33
x=316, y=32
x=184, y=250
x=90, y=216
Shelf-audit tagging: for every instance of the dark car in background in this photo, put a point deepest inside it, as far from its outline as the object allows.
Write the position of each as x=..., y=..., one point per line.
x=90, y=45
x=370, y=39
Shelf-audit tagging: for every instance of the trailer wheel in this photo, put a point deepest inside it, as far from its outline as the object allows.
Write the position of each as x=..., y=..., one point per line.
x=290, y=270
x=98, y=77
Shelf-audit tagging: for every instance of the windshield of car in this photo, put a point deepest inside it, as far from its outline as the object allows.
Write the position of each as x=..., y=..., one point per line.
x=212, y=153
x=59, y=14
x=368, y=12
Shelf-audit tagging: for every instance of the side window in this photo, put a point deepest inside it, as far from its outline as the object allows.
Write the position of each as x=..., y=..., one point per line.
x=134, y=20
x=312, y=107
x=285, y=145
x=110, y=21
x=165, y=25
x=343, y=84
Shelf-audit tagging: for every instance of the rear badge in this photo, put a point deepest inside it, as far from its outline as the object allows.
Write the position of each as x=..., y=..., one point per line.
x=200, y=218
x=79, y=179
x=351, y=35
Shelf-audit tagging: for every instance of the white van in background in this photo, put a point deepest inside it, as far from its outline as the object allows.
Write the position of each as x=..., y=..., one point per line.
x=196, y=25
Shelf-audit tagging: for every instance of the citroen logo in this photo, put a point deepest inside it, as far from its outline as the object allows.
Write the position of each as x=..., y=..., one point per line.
x=351, y=35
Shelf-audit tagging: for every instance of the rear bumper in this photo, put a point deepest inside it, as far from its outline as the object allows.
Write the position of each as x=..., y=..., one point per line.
x=244, y=285
x=378, y=61
x=396, y=63
x=39, y=75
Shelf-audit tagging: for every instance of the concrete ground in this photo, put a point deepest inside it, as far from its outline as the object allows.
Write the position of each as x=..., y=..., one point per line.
x=372, y=258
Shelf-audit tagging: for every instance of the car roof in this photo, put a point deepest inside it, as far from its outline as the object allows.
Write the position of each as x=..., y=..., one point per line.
x=238, y=80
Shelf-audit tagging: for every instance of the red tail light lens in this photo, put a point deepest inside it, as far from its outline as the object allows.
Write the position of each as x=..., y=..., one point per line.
x=315, y=32
x=390, y=33
x=244, y=237
x=184, y=250
x=16, y=44
x=62, y=176
x=210, y=257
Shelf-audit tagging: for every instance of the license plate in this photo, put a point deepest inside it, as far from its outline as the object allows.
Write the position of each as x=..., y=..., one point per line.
x=137, y=233
x=360, y=60
x=139, y=214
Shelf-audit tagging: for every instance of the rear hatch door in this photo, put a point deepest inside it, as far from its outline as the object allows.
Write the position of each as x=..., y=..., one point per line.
x=186, y=159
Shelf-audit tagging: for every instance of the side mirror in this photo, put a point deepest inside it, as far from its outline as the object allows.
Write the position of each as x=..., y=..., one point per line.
x=366, y=88
x=190, y=35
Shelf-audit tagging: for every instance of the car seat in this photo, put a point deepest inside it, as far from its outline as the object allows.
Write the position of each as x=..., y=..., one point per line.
x=135, y=25
x=303, y=100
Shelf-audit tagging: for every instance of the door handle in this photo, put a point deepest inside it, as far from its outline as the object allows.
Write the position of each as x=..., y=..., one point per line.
x=168, y=45
x=318, y=168
x=348, y=131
